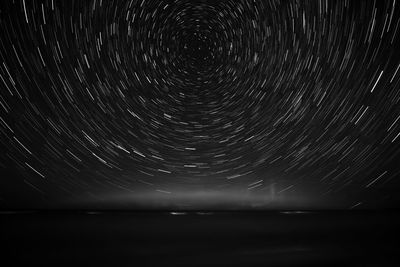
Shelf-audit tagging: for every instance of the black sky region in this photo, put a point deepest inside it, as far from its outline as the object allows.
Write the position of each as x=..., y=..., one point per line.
x=234, y=104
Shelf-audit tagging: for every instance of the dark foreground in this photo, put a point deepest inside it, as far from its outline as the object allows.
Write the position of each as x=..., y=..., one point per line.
x=195, y=239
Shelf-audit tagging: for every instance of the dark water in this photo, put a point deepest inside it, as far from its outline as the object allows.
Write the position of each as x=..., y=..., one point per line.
x=197, y=239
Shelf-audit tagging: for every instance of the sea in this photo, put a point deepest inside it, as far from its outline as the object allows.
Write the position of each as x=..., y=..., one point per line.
x=199, y=238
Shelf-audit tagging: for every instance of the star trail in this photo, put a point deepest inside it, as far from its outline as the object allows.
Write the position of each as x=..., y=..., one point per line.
x=210, y=100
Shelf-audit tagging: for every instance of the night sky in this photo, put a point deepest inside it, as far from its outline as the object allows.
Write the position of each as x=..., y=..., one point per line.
x=199, y=104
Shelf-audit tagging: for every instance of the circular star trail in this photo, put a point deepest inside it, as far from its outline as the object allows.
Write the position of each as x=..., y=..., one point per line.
x=158, y=96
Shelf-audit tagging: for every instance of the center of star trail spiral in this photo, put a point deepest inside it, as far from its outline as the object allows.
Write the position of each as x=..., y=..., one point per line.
x=155, y=95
